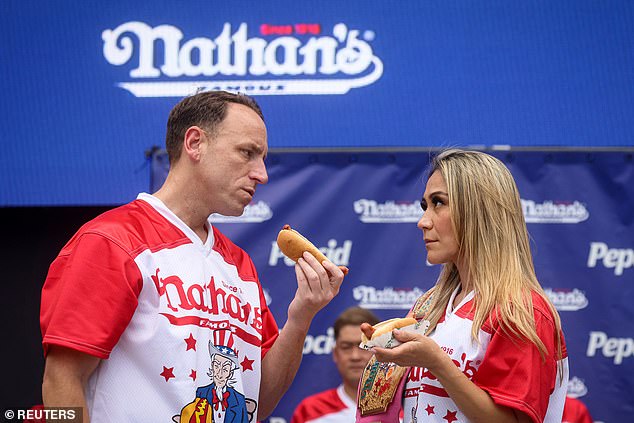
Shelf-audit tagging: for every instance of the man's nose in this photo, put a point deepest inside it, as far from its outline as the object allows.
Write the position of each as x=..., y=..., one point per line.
x=259, y=172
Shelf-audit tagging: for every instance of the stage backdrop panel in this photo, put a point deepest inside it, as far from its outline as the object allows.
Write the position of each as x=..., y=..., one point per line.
x=361, y=209
x=87, y=86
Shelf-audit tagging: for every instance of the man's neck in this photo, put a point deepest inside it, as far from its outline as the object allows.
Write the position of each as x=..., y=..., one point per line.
x=185, y=206
x=351, y=391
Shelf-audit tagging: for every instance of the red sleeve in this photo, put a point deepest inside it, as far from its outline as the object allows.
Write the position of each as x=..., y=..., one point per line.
x=318, y=405
x=89, y=296
x=575, y=411
x=299, y=415
x=513, y=372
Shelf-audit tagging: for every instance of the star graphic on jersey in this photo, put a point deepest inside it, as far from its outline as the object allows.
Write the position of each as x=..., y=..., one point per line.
x=193, y=374
x=191, y=342
x=167, y=373
x=450, y=416
x=430, y=409
x=247, y=364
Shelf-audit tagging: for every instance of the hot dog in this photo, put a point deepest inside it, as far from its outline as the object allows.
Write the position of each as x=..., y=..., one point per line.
x=293, y=244
x=387, y=326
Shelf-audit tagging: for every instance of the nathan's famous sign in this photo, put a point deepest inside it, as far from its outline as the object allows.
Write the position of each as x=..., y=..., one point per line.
x=280, y=60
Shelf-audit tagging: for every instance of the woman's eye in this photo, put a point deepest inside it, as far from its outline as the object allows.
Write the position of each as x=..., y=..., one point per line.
x=437, y=202
x=423, y=205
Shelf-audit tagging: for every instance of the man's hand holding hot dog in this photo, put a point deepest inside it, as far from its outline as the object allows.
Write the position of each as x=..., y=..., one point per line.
x=317, y=285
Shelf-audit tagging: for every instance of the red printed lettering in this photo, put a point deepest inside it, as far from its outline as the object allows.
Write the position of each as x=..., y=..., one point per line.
x=266, y=29
x=198, y=296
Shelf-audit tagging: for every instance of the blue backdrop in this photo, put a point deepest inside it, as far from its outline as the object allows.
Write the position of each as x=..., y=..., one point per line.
x=87, y=86
x=361, y=209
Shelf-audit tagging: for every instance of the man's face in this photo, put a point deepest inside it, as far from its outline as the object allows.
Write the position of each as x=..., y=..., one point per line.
x=222, y=370
x=349, y=358
x=232, y=161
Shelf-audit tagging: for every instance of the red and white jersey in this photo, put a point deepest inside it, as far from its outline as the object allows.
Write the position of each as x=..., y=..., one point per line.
x=331, y=406
x=137, y=288
x=576, y=411
x=513, y=373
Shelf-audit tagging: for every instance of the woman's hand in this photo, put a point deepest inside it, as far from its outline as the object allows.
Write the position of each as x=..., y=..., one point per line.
x=416, y=350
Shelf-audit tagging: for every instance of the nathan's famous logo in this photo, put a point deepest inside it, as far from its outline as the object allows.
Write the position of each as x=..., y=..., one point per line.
x=370, y=211
x=253, y=213
x=386, y=298
x=576, y=387
x=287, y=59
x=211, y=298
x=554, y=212
x=567, y=300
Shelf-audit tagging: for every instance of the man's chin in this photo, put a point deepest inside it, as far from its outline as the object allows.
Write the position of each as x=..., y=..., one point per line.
x=236, y=211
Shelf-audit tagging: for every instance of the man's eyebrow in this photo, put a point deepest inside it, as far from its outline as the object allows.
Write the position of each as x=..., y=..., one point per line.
x=254, y=145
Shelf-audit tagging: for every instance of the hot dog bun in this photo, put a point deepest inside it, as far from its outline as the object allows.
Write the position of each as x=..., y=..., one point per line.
x=387, y=326
x=293, y=244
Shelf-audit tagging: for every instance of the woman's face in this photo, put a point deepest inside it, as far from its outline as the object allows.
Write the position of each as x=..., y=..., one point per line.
x=440, y=239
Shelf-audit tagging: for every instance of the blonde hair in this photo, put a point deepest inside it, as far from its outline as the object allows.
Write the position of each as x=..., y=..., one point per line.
x=488, y=222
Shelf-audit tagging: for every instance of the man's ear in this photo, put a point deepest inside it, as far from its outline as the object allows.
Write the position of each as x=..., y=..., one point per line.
x=192, y=142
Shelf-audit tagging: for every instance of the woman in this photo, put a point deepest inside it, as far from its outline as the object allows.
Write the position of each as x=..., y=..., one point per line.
x=495, y=351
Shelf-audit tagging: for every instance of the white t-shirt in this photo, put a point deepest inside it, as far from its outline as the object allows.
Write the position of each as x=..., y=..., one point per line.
x=137, y=288
x=513, y=374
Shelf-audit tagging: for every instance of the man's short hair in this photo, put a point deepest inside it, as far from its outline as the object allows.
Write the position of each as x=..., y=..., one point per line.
x=206, y=110
x=354, y=316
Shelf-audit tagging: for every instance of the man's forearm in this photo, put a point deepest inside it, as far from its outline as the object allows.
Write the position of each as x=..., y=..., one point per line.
x=65, y=375
x=66, y=393
x=280, y=366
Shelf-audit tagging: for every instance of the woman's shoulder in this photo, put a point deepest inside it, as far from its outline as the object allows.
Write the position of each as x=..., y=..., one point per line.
x=541, y=310
x=541, y=306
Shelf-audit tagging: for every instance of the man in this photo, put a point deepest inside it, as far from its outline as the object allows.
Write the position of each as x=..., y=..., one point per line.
x=339, y=404
x=133, y=298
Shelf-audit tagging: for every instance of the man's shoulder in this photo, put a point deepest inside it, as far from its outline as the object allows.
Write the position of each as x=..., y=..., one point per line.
x=135, y=227
x=319, y=404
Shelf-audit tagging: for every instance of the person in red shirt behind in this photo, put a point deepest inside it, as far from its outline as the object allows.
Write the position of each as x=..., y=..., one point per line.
x=339, y=404
x=575, y=411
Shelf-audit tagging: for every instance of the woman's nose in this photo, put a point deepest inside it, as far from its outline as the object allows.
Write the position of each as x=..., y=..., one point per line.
x=424, y=222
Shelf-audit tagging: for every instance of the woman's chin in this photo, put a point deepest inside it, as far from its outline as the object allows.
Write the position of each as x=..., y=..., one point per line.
x=435, y=260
